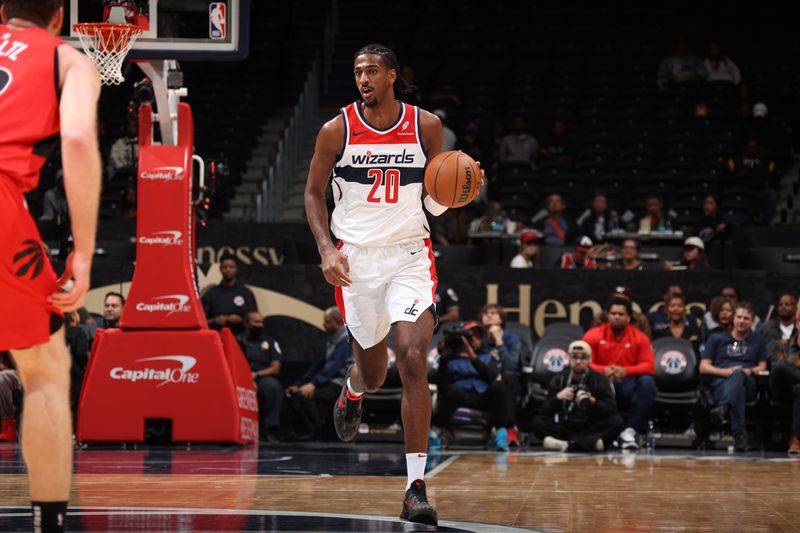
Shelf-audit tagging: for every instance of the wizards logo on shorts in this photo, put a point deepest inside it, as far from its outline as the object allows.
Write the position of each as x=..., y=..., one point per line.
x=673, y=362
x=30, y=257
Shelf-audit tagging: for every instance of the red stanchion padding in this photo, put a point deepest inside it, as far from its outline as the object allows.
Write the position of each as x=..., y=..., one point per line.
x=163, y=293
x=200, y=380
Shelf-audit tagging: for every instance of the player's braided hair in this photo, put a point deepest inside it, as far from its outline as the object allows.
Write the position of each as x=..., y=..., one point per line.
x=40, y=12
x=390, y=60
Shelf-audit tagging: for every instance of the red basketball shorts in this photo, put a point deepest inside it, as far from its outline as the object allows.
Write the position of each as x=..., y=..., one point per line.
x=26, y=276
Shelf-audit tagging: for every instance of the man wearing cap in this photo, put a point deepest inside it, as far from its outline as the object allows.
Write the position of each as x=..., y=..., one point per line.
x=528, y=256
x=580, y=412
x=625, y=356
x=577, y=257
x=468, y=377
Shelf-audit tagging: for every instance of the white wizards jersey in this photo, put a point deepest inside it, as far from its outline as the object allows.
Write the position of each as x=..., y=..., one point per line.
x=377, y=182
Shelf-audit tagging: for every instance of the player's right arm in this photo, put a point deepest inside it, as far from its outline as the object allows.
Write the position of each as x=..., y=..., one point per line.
x=80, y=90
x=329, y=142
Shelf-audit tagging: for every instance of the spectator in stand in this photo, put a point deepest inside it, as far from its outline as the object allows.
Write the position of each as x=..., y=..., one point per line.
x=721, y=317
x=264, y=356
x=638, y=320
x=733, y=360
x=468, y=376
x=753, y=167
x=772, y=133
x=655, y=219
x=680, y=67
x=557, y=145
x=693, y=258
x=55, y=206
x=659, y=319
x=596, y=221
x=311, y=398
x=720, y=67
x=519, y=145
x=447, y=306
x=414, y=97
x=577, y=258
x=470, y=143
x=630, y=250
x=681, y=324
x=624, y=355
x=10, y=398
x=783, y=326
x=580, y=411
x=451, y=227
x=784, y=378
x=506, y=345
x=113, y=303
x=528, y=254
x=558, y=228
x=449, y=135
x=124, y=154
x=712, y=224
x=79, y=339
x=225, y=302
x=494, y=220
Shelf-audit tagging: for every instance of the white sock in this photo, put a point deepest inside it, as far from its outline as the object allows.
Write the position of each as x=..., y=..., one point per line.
x=415, y=465
x=353, y=392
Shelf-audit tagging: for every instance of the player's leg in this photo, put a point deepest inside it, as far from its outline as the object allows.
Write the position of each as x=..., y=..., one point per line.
x=366, y=375
x=46, y=432
x=409, y=302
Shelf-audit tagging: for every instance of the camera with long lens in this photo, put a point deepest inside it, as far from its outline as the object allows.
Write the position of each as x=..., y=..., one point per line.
x=583, y=398
x=453, y=343
x=143, y=92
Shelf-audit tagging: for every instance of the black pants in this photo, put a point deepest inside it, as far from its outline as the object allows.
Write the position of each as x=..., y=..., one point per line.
x=497, y=399
x=313, y=416
x=270, y=397
x=580, y=435
x=784, y=383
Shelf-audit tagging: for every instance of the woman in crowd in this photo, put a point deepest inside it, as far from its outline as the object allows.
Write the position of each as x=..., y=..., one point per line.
x=681, y=325
x=721, y=309
x=528, y=256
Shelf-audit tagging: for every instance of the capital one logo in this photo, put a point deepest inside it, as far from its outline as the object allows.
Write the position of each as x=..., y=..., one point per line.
x=165, y=376
x=163, y=174
x=169, y=303
x=555, y=360
x=163, y=238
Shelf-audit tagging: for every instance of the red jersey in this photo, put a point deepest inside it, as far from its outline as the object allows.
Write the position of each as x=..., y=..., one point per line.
x=632, y=350
x=29, y=115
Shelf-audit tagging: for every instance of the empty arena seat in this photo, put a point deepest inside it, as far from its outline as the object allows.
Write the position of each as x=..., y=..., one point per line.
x=676, y=371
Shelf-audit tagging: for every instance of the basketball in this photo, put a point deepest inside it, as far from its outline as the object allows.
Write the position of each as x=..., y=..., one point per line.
x=452, y=178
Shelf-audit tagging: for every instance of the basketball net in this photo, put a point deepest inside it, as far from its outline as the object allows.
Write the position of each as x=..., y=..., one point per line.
x=107, y=45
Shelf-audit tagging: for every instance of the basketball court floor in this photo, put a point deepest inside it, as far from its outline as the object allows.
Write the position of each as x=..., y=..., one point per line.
x=358, y=487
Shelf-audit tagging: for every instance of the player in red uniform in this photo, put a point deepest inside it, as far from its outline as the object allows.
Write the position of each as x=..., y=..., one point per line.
x=46, y=87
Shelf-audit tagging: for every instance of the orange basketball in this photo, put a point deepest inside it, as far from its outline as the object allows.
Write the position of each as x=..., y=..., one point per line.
x=451, y=178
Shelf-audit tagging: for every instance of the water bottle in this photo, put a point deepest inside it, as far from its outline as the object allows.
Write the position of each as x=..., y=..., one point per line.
x=668, y=225
x=497, y=225
x=651, y=436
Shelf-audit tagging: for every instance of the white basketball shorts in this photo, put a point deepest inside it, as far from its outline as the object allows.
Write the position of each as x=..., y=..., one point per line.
x=388, y=284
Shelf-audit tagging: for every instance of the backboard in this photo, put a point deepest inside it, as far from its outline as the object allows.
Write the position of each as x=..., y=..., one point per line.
x=186, y=30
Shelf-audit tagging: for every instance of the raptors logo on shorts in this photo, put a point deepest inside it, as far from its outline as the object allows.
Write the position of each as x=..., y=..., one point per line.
x=30, y=260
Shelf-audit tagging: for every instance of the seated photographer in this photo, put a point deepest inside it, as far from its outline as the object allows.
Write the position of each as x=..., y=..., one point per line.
x=580, y=412
x=468, y=377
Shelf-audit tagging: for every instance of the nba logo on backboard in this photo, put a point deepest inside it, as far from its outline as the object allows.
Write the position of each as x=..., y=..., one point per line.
x=217, y=28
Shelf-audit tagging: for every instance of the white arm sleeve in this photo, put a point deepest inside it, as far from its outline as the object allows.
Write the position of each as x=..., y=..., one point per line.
x=433, y=207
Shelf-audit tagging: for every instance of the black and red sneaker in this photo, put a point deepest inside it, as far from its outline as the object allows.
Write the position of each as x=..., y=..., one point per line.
x=416, y=507
x=347, y=414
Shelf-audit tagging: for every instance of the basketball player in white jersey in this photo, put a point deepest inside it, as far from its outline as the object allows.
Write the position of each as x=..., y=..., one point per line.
x=383, y=267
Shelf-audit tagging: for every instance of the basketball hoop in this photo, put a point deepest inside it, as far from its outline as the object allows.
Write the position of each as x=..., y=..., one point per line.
x=107, y=45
